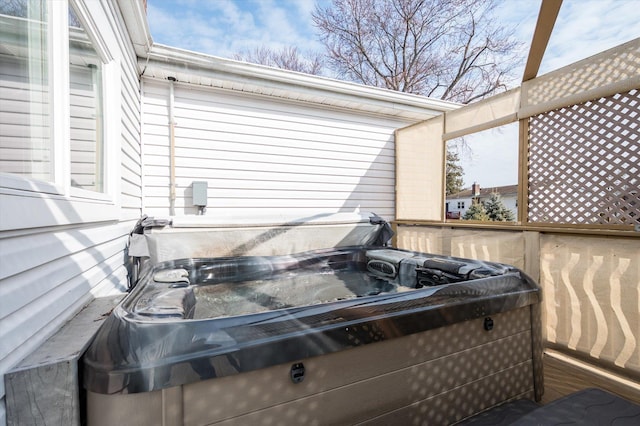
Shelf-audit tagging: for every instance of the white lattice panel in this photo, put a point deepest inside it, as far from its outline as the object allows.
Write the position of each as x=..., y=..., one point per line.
x=610, y=67
x=584, y=163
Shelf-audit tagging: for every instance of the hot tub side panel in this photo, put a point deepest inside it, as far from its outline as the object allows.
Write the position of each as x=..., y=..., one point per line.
x=437, y=376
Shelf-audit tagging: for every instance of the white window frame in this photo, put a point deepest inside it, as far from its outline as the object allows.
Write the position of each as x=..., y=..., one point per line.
x=110, y=108
x=29, y=202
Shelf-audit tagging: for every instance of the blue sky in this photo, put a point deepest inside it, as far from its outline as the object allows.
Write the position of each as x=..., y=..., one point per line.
x=224, y=27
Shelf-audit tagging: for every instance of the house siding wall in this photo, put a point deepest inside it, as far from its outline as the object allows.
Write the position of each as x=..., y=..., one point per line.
x=261, y=155
x=48, y=272
x=453, y=205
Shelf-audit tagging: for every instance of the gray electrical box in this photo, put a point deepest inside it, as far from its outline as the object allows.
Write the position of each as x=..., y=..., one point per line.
x=199, y=193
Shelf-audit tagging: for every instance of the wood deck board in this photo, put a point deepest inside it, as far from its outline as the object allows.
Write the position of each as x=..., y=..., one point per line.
x=562, y=377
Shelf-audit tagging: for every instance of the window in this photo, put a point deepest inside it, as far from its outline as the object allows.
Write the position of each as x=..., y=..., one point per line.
x=460, y=205
x=86, y=106
x=25, y=136
x=49, y=134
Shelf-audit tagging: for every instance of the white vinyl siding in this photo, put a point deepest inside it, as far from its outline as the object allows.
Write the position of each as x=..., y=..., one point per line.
x=262, y=155
x=58, y=252
x=130, y=189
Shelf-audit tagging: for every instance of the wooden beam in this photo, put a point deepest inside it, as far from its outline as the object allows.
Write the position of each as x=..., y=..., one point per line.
x=546, y=20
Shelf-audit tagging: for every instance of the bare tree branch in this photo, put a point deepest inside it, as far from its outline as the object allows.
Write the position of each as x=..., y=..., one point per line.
x=288, y=58
x=451, y=49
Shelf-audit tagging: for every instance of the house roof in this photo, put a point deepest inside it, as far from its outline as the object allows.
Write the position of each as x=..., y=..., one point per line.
x=159, y=61
x=485, y=192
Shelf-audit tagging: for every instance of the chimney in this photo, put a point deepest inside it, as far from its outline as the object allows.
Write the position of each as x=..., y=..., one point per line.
x=475, y=189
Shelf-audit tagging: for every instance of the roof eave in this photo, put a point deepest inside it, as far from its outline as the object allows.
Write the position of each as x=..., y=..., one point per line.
x=197, y=68
x=135, y=19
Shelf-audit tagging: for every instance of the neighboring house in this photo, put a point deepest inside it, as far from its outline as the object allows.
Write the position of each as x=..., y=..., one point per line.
x=458, y=204
x=86, y=102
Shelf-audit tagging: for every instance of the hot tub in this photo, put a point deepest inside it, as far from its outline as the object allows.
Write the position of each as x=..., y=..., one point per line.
x=340, y=335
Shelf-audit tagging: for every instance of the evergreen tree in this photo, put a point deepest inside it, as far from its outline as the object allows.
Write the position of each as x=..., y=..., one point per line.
x=454, y=173
x=496, y=210
x=476, y=212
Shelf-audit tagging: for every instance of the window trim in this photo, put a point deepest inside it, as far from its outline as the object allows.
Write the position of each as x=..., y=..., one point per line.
x=36, y=203
x=59, y=108
x=21, y=183
x=98, y=44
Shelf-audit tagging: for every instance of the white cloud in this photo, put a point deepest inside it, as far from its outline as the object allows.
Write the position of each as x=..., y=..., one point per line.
x=225, y=27
x=583, y=27
x=181, y=26
x=287, y=23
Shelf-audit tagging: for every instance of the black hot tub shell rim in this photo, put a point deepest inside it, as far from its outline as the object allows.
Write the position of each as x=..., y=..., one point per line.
x=132, y=353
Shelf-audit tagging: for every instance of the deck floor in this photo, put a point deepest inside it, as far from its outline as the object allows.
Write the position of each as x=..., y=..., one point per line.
x=563, y=376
